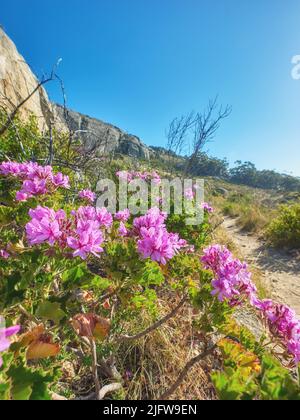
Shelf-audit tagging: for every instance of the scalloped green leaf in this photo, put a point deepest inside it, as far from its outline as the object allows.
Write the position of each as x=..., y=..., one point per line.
x=50, y=311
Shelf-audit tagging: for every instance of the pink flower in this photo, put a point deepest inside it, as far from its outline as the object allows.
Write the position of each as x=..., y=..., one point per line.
x=22, y=196
x=232, y=280
x=5, y=333
x=145, y=176
x=283, y=325
x=45, y=226
x=4, y=254
x=37, y=186
x=10, y=168
x=60, y=180
x=122, y=230
x=215, y=256
x=87, y=195
x=156, y=178
x=87, y=212
x=189, y=194
x=122, y=175
x=88, y=239
x=158, y=244
x=123, y=215
x=206, y=207
x=293, y=347
x=153, y=218
x=104, y=217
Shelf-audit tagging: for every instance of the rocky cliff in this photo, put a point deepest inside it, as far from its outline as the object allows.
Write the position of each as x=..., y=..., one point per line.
x=105, y=137
x=17, y=81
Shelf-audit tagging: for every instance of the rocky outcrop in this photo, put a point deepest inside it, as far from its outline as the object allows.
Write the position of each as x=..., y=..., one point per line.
x=104, y=137
x=17, y=81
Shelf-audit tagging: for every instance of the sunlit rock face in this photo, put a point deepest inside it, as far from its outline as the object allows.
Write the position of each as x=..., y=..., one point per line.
x=17, y=81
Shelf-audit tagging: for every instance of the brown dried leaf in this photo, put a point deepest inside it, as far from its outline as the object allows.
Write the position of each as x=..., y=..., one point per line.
x=41, y=350
x=91, y=326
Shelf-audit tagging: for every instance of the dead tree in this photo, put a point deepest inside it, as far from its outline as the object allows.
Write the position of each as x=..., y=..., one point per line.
x=177, y=133
x=195, y=130
x=205, y=127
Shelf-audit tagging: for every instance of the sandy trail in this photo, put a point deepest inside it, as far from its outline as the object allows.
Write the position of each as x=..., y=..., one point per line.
x=280, y=271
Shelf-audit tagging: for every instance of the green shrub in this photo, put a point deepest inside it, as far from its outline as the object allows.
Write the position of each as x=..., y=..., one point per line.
x=285, y=229
x=252, y=219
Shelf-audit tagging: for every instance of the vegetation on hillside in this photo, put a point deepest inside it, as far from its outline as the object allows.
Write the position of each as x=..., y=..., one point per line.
x=91, y=298
x=243, y=173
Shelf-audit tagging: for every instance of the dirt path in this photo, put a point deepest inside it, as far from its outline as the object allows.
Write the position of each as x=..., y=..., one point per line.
x=281, y=271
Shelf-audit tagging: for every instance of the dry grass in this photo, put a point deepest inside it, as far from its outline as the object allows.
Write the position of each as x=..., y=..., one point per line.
x=156, y=360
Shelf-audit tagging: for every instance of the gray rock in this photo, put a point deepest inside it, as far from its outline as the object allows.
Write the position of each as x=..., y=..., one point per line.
x=222, y=191
x=102, y=136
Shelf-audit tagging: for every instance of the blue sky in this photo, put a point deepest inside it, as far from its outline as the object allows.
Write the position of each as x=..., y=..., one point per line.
x=139, y=63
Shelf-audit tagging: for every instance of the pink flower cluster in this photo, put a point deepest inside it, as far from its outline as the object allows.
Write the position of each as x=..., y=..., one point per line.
x=207, y=207
x=46, y=226
x=87, y=195
x=122, y=215
x=5, y=333
x=37, y=180
x=83, y=232
x=145, y=176
x=154, y=239
x=232, y=282
x=283, y=324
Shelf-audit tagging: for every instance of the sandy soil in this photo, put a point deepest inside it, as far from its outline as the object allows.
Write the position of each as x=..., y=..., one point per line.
x=280, y=270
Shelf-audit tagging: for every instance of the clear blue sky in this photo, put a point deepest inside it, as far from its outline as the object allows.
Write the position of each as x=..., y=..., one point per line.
x=139, y=63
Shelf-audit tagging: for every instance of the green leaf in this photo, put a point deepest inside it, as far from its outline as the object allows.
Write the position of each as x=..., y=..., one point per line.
x=4, y=391
x=50, y=311
x=76, y=277
x=28, y=384
x=152, y=275
x=276, y=381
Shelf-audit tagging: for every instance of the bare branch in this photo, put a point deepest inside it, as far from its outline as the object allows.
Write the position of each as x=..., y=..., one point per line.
x=13, y=114
x=108, y=389
x=95, y=368
x=156, y=325
x=186, y=370
x=205, y=128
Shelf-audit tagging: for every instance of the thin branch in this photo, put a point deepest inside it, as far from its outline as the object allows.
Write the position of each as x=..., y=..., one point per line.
x=95, y=368
x=156, y=325
x=186, y=370
x=13, y=114
x=108, y=389
x=51, y=148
